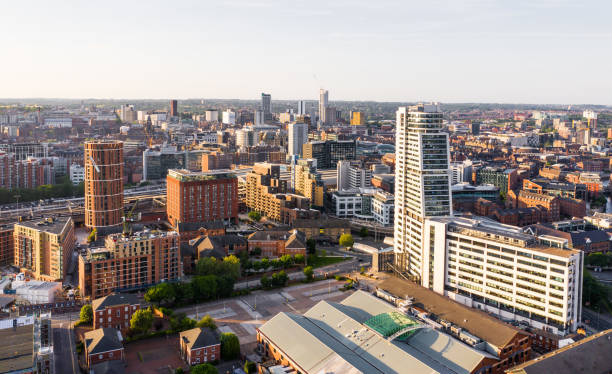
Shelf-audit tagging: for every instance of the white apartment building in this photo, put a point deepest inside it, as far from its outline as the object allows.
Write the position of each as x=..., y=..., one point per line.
x=504, y=270
x=209, y=137
x=298, y=136
x=229, y=117
x=77, y=174
x=354, y=203
x=301, y=108
x=422, y=181
x=351, y=175
x=382, y=208
x=461, y=171
x=323, y=103
x=211, y=115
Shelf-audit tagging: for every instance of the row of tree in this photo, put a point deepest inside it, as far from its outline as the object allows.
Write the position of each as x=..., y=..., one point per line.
x=599, y=259
x=279, y=279
x=64, y=188
x=283, y=262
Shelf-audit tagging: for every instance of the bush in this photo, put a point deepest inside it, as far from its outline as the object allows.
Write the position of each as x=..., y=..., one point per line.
x=309, y=273
x=92, y=236
x=86, y=314
x=203, y=369
x=179, y=371
x=255, y=215
x=207, y=321
x=346, y=240
x=256, y=251
x=363, y=232
x=250, y=367
x=80, y=347
x=311, y=246
x=141, y=321
x=230, y=346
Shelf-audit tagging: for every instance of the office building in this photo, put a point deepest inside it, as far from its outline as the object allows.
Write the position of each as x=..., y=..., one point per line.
x=266, y=106
x=131, y=262
x=173, y=108
x=216, y=161
x=229, y=117
x=308, y=182
x=422, y=181
x=246, y=137
x=331, y=116
x=298, y=136
x=461, y=171
x=104, y=185
x=505, y=270
x=323, y=103
x=328, y=153
x=77, y=174
x=358, y=118
x=383, y=207
x=301, y=108
x=156, y=163
x=350, y=175
x=195, y=197
x=504, y=179
x=43, y=248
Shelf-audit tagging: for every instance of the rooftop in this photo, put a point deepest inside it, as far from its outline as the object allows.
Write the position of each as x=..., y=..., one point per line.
x=199, y=338
x=102, y=340
x=53, y=225
x=184, y=175
x=18, y=355
x=114, y=300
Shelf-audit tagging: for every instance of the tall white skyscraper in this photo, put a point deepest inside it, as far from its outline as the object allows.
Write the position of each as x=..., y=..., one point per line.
x=298, y=135
x=323, y=102
x=301, y=107
x=259, y=117
x=422, y=181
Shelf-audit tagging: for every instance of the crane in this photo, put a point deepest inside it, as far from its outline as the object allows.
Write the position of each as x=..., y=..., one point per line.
x=127, y=219
x=94, y=164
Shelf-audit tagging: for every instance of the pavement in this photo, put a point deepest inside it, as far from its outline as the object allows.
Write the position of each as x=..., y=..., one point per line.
x=64, y=345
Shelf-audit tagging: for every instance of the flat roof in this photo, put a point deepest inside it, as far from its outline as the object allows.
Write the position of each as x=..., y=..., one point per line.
x=18, y=355
x=477, y=323
x=53, y=225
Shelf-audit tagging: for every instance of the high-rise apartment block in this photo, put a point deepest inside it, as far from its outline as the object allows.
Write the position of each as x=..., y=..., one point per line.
x=130, y=262
x=350, y=175
x=228, y=117
x=266, y=106
x=358, y=118
x=194, y=197
x=27, y=173
x=173, y=108
x=43, y=248
x=298, y=136
x=328, y=153
x=104, y=185
x=301, y=108
x=422, y=181
x=308, y=182
x=323, y=103
x=505, y=270
x=263, y=185
x=7, y=245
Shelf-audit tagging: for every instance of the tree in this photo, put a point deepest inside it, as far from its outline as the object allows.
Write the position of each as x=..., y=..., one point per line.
x=299, y=258
x=230, y=266
x=207, y=321
x=265, y=263
x=255, y=215
x=204, y=287
x=163, y=293
x=86, y=315
x=250, y=367
x=203, y=369
x=256, y=251
x=92, y=236
x=230, y=346
x=286, y=261
x=141, y=321
x=311, y=246
x=279, y=279
x=265, y=282
x=309, y=273
x=363, y=232
x=346, y=240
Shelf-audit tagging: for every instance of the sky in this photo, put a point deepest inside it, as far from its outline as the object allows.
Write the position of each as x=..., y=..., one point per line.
x=507, y=51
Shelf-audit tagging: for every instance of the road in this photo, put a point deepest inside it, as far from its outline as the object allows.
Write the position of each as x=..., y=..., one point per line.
x=64, y=346
x=597, y=320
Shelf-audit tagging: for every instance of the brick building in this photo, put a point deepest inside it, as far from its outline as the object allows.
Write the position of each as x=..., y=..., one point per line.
x=7, y=245
x=103, y=345
x=114, y=311
x=43, y=248
x=550, y=203
x=129, y=263
x=278, y=243
x=24, y=173
x=201, y=197
x=199, y=345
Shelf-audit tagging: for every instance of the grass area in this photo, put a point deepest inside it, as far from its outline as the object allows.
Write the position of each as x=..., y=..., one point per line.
x=320, y=261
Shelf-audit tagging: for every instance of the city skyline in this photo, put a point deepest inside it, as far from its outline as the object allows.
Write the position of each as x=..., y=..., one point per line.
x=475, y=51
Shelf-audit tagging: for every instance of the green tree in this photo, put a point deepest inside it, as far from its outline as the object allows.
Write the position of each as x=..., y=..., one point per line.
x=230, y=346
x=141, y=321
x=250, y=367
x=230, y=266
x=311, y=246
x=299, y=258
x=256, y=251
x=203, y=369
x=207, y=321
x=346, y=240
x=265, y=263
x=86, y=314
x=309, y=273
x=163, y=293
x=363, y=232
x=279, y=279
x=92, y=236
x=255, y=215
x=204, y=287
x=265, y=282
x=286, y=261
x=595, y=295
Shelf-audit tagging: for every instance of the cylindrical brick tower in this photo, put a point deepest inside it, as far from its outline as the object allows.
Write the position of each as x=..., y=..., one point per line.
x=104, y=185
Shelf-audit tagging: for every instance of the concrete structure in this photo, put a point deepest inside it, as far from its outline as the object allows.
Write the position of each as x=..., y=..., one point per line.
x=201, y=197
x=383, y=208
x=328, y=229
x=298, y=136
x=228, y=117
x=323, y=102
x=104, y=185
x=43, y=248
x=211, y=115
x=354, y=203
x=199, y=345
x=422, y=181
x=246, y=137
x=114, y=310
x=28, y=346
x=103, y=344
x=77, y=174
x=308, y=182
x=301, y=108
x=37, y=292
x=504, y=270
x=27, y=173
x=461, y=171
x=130, y=262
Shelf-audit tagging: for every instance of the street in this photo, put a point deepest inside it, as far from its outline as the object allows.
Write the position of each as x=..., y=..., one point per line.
x=64, y=347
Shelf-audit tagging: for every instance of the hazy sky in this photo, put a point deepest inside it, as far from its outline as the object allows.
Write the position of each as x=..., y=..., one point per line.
x=527, y=51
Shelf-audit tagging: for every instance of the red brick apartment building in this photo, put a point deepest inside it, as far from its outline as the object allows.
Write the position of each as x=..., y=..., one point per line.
x=199, y=345
x=7, y=245
x=114, y=311
x=278, y=243
x=201, y=197
x=103, y=345
x=130, y=262
x=550, y=203
x=29, y=173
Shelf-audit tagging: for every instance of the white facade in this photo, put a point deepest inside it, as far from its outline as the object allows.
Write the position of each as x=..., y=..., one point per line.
x=301, y=107
x=212, y=115
x=382, y=208
x=354, y=203
x=37, y=292
x=246, y=137
x=422, y=181
x=77, y=174
x=323, y=103
x=206, y=137
x=259, y=118
x=229, y=117
x=461, y=171
x=350, y=175
x=298, y=136
x=58, y=122
x=504, y=270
